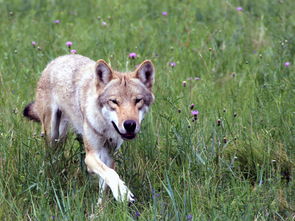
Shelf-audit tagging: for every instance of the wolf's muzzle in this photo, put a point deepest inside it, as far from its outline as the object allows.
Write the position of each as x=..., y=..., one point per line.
x=128, y=135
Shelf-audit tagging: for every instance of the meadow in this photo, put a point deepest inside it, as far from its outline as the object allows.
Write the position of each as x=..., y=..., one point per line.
x=217, y=144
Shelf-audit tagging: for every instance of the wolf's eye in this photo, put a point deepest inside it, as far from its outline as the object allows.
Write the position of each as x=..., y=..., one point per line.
x=114, y=101
x=137, y=100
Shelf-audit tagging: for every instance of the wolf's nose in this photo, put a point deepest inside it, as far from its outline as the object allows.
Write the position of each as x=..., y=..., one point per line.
x=130, y=126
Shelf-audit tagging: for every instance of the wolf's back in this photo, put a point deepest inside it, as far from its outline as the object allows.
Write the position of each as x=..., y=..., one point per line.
x=58, y=86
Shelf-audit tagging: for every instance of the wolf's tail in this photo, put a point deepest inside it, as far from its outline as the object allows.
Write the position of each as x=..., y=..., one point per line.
x=31, y=113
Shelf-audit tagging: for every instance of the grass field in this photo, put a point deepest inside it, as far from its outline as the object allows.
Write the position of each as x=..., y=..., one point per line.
x=233, y=60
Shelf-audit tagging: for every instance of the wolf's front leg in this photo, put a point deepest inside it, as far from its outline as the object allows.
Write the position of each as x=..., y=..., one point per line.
x=111, y=178
x=106, y=158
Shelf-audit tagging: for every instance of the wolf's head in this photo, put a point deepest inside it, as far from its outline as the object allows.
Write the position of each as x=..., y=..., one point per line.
x=124, y=98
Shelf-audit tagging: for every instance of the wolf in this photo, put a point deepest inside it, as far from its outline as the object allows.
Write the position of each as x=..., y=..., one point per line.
x=102, y=105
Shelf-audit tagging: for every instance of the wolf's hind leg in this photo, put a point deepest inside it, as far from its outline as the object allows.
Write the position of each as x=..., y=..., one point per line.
x=46, y=124
x=63, y=126
x=55, y=122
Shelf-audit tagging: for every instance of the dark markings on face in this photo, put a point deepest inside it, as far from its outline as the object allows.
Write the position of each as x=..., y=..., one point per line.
x=125, y=89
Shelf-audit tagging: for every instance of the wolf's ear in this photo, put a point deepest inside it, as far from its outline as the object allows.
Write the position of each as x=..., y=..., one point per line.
x=145, y=73
x=103, y=71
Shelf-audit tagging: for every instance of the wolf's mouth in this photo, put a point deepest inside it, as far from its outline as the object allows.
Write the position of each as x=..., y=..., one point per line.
x=127, y=136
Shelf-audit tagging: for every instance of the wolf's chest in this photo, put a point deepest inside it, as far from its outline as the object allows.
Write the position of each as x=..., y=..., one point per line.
x=113, y=144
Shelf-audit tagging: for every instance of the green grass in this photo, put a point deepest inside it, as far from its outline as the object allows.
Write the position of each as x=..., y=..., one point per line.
x=178, y=169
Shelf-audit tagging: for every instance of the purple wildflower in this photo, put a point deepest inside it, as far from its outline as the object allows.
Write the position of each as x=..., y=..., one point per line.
x=155, y=194
x=192, y=106
x=132, y=55
x=197, y=78
x=164, y=13
x=137, y=214
x=172, y=64
x=287, y=64
x=69, y=44
x=195, y=112
x=56, y=21
x=34, y=43
x=103, y=23
x=239, y=8
x=189, y=217
x=73, y=51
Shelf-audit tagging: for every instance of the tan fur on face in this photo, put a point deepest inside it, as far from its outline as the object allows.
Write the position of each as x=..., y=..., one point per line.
x=129, y=89
x=127, y=86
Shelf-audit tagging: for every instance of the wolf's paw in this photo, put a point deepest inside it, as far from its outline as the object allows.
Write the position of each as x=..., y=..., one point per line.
x=120, y=190
x=124, y=194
